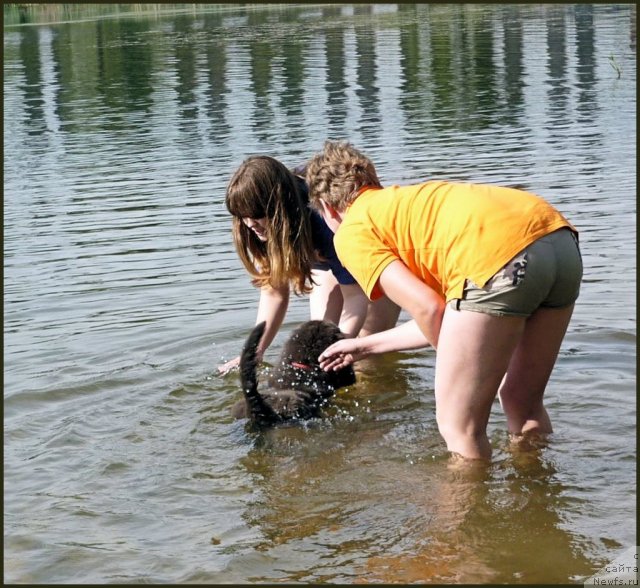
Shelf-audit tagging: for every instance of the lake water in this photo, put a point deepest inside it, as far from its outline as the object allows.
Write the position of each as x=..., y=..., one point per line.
x=122, y=292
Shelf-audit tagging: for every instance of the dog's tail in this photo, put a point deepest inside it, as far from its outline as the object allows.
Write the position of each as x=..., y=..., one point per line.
x=258, y=411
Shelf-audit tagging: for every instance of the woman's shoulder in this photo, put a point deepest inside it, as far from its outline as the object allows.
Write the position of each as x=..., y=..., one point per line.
x=302, y=186
x=318, y=227
x=300, y=170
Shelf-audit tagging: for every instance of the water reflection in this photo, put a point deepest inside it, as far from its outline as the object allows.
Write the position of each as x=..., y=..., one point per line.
x=262, y=55
x=512, y=52
x=457, y=69
x=393, y=520
x=131, y=63
x=558, y=94
x=511, y=511
x=32, y=86
x=368, y=80
x=336, y=84
x=216, y=90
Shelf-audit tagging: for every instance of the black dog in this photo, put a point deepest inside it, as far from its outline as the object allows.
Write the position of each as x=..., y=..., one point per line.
x=298, y=387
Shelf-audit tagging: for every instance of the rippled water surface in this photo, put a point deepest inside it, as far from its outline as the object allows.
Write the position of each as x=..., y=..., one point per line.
x=122, y=292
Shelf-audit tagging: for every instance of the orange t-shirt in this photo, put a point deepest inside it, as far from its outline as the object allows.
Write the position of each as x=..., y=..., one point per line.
x=443, y=232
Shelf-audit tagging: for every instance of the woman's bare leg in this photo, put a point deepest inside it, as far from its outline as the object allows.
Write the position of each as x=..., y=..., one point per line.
x=382, y=315
x=473, y=353
x=529, y=370
x=325, y=300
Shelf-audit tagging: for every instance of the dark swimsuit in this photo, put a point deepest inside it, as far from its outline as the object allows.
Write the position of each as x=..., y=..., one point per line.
x=322, y=237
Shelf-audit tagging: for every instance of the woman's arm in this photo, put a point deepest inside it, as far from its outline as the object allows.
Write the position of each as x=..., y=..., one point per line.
x=425, y=306
x=401, y=338
x=325, y=299
x=272, y=308
x=354, y=309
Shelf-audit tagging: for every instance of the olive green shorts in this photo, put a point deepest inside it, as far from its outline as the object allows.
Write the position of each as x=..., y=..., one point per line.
x=546, y=274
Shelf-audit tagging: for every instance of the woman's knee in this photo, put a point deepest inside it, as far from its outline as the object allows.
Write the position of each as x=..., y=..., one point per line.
x=381, y=315
x=471, y=444
x=524, y=413
x=465, y=436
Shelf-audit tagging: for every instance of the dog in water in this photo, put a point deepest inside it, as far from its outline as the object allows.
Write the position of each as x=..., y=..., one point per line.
x=298, y=387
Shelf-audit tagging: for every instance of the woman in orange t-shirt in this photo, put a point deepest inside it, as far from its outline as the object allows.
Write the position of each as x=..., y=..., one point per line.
x=489, y=275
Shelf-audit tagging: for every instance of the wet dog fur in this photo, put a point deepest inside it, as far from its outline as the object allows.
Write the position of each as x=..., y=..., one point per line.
x=297, y=388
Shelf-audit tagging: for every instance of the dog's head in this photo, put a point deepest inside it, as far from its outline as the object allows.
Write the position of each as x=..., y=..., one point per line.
x=304, y=346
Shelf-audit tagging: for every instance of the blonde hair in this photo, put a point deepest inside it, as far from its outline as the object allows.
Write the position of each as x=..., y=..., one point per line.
x=338, y=173
x=262, y=187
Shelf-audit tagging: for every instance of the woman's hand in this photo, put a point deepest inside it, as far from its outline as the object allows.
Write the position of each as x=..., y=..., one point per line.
x=225, y=368
x=341, y=354
x=233, y=364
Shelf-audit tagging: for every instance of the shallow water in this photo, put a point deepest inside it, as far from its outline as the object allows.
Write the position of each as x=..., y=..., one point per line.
x=123, y=293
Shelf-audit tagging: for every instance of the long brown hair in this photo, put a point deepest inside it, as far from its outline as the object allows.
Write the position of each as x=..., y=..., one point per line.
x=262, y=187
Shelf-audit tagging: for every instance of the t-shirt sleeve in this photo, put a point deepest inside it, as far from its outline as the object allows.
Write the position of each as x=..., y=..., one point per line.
x=364, y=256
